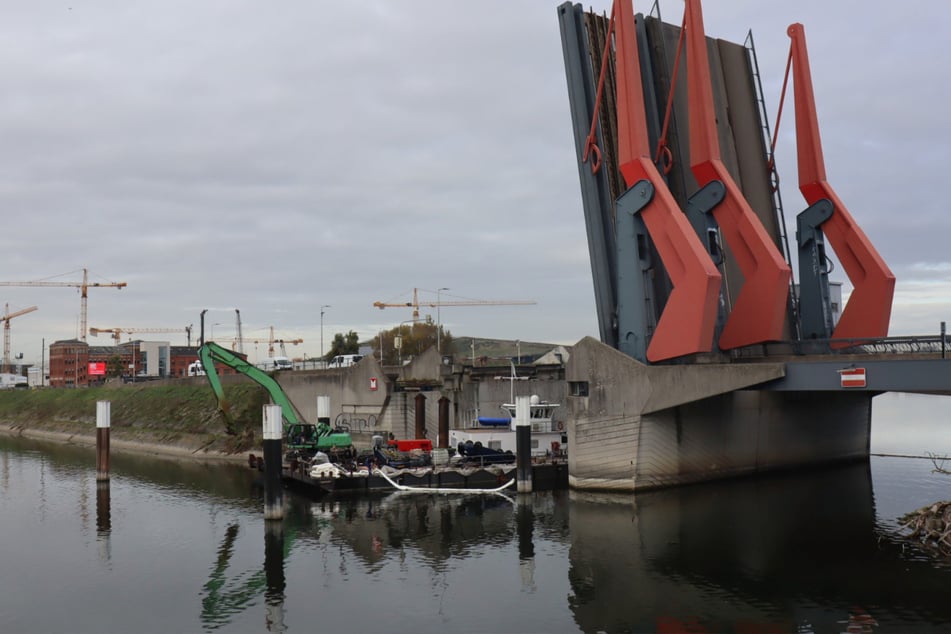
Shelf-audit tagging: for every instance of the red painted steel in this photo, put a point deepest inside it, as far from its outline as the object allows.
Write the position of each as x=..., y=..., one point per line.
x=869, y=308
x=759, y=311
x=687, y=323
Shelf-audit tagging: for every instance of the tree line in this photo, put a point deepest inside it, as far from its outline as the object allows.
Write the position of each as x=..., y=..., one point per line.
x=399, y=343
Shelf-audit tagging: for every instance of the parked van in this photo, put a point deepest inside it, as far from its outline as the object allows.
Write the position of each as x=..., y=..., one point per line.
x=272, y=364
x=344, y=360
x=196, y=369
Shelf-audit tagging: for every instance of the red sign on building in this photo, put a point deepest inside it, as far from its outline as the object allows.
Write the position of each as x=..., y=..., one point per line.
x=852, y=377
x=97, y=368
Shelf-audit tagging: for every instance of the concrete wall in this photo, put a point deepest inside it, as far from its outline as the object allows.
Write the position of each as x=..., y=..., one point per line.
x=643, y=427
x=349, y=390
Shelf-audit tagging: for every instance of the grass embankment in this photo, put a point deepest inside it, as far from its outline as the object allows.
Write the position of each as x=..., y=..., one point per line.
x=183, y=418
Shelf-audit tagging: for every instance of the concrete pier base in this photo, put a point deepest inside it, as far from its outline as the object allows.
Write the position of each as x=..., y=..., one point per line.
x=640, y=427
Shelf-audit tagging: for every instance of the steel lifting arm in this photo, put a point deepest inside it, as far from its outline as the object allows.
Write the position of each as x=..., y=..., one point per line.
x=759, y=311
x=687, y=323
x=210, y=352
x=869, y=308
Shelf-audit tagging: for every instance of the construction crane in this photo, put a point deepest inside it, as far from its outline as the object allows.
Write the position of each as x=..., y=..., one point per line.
x=5, y=318
x=270, y=341
x=473, y=302
x=117, y=332
x=84, y=286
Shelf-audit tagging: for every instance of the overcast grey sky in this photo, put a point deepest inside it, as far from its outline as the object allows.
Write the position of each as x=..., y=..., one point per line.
x=279, y=156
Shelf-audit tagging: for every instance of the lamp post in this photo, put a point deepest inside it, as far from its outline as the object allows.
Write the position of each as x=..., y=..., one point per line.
x=322, y=330
x=438, y=320
x=212, y=330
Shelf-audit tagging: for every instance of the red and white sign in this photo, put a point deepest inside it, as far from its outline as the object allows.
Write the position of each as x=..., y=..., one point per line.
x=852, y=377
x=97, y=368
x=373, y=384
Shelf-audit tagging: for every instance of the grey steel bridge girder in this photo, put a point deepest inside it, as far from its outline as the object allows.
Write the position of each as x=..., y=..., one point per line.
x=635, y=296
x=815, y=302
x=922, y=376
x=596, y=197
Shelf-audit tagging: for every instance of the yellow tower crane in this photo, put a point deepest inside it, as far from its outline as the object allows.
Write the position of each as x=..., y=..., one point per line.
x=471, y=302
x=117, y=332
x=83, y=286
x=5, y=318
x=270, y=341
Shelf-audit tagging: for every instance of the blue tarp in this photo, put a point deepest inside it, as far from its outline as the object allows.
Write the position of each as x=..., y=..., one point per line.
x=494, y=422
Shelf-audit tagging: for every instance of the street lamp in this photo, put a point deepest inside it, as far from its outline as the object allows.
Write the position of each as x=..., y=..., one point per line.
x=438, y=320
x=212, y=330
x=322, y=330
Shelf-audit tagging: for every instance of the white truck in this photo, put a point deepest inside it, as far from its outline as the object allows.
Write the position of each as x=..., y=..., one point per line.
x=272, y=364
x=344, y=360
x=8, y=381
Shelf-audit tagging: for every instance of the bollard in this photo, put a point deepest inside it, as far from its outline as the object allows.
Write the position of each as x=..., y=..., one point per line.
x=273, y=463
x=523, y=444
x=103, y=415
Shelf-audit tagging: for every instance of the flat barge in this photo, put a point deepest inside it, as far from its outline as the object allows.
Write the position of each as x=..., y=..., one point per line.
x=545, y=477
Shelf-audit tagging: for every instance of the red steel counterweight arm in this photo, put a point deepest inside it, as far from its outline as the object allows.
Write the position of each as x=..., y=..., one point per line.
x=869, y=308
x=759, y=311
x=687, y=323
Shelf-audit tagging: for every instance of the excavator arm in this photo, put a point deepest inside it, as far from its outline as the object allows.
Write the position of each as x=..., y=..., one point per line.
x=210, y=353
x=297, y=433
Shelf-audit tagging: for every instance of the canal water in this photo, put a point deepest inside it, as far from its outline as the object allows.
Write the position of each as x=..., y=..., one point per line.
x=181, y=546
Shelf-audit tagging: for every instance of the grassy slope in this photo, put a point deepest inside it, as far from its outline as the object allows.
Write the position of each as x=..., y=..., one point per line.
x=184, y=416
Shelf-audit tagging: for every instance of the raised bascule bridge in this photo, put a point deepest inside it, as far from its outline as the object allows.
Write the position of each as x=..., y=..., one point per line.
x=715, y=358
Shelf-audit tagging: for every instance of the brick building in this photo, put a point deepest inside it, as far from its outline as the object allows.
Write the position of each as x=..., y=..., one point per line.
x=70, y=361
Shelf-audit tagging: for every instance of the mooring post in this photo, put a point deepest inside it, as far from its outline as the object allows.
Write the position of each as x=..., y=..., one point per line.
x=420, y=416
x=102, y=440
x=323, y=409
x=443, y=440
x=523, y=444
x=273, y=463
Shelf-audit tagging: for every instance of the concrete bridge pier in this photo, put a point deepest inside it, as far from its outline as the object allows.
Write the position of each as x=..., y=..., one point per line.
x=634, y=427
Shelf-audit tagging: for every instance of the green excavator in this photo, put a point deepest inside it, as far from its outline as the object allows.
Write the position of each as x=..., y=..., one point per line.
x=298, y=435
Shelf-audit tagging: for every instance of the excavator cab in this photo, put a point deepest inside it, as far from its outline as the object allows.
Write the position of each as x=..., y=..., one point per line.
x=301, y=436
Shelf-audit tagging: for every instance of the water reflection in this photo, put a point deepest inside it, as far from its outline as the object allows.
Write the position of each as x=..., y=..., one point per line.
x=789, y=553
x=274, y=554
x=802, y=552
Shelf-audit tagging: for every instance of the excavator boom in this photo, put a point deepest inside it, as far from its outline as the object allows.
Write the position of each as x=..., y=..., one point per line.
x=298, y=434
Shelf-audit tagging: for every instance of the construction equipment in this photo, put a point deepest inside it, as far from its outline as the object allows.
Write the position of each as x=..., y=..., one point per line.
x=473, y=302
x=270, y=341
x=117, y=332
x=298, y=435
x=5, y=318
x=84, y=286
